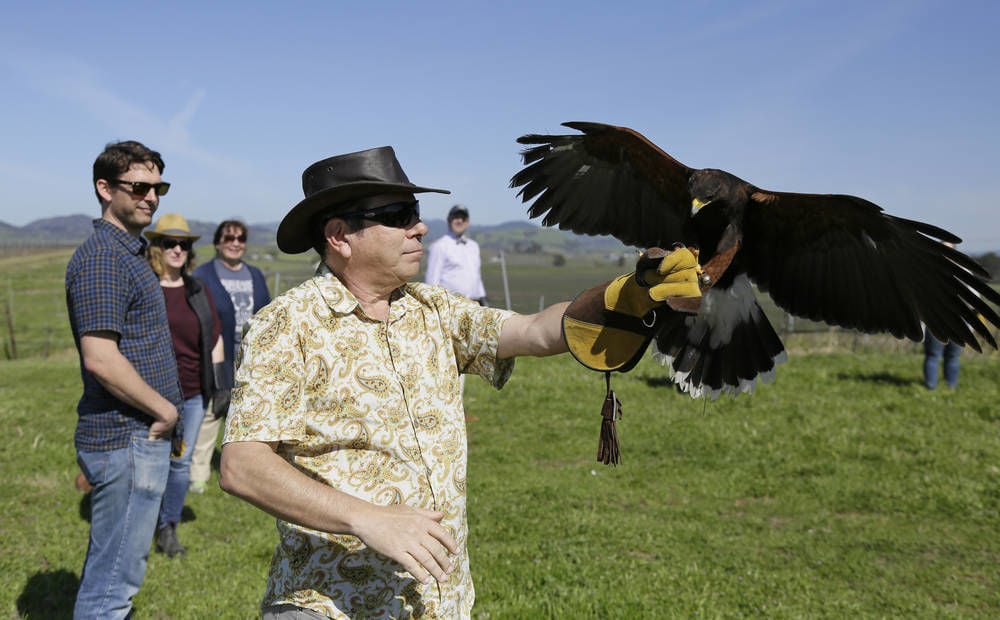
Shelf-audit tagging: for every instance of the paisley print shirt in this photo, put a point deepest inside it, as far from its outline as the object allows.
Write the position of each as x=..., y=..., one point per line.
x=373, y=409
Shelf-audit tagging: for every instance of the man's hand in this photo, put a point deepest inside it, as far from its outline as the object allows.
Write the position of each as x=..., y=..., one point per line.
x=163, y=427
x=675, y=275
x=411, y=536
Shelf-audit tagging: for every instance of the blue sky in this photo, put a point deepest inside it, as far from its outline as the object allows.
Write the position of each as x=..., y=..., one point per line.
x=897, y=102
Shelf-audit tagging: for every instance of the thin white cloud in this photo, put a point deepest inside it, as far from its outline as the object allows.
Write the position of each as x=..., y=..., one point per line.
x=70, y=79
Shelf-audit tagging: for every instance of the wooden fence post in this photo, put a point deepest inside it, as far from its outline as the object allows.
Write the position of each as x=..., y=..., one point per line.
x=8, y=307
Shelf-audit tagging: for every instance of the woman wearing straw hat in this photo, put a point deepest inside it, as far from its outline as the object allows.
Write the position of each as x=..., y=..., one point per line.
x=195, y=329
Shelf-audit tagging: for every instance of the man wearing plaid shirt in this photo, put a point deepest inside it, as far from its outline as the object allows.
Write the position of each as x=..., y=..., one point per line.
x=131, y=391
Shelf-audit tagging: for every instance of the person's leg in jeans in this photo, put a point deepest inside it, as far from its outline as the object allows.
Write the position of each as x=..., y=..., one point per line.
x=933, y=348
x=951, y=353
x=192, y=411
x=128, y=488
x=201, y=460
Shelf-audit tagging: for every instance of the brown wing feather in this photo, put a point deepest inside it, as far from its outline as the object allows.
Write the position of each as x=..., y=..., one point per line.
x=606, y=181
x=841, y=260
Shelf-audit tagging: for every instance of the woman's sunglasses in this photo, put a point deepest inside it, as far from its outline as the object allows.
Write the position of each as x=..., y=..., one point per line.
x=396, y=215
x=169, y=244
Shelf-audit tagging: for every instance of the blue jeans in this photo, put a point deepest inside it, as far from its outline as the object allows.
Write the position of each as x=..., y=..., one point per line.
x=128, y=488
x=934, y=350
x=192, y=411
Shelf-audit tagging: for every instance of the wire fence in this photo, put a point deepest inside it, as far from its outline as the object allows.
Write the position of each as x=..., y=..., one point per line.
x=35, y=323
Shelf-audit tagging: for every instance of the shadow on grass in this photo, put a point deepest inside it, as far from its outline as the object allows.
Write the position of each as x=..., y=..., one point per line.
x=49, y=595
x=84, y=508
x=657, y=381
x=884, y=378
x=661, y=381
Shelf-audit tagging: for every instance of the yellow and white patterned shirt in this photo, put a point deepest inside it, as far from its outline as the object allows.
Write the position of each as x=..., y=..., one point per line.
x=373, y=409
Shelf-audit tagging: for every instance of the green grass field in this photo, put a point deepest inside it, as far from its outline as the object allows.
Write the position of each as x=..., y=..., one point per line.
x=843, y=490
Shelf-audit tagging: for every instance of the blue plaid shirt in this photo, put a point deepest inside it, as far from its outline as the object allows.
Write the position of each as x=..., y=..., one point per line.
x=110, y=287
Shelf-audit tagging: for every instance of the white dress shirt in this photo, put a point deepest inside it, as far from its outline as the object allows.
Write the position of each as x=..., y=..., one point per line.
x=453, y=262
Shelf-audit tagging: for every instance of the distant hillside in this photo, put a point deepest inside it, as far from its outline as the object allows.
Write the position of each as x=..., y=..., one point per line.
x=7, y=229
x=518, y=237
x=71, y=230
x=65, y=230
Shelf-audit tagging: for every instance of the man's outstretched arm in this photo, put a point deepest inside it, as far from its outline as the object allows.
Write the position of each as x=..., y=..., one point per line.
x=537, y=334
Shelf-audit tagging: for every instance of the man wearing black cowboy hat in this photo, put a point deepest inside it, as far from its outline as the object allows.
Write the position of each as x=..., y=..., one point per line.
x=346, y=420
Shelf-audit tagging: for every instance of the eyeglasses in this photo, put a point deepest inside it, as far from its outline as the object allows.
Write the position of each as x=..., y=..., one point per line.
x=169, y=244
x=141, y=188
x=230, y=238
x=396, y=215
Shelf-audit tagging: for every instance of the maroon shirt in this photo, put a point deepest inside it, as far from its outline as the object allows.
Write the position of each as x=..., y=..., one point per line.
x=186, y=334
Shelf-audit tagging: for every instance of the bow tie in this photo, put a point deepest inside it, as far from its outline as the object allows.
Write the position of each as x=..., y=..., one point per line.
x=460, y=240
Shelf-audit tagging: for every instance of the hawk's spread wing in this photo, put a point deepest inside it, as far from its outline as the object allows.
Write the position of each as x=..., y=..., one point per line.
x=607, y=181
x=841, y=260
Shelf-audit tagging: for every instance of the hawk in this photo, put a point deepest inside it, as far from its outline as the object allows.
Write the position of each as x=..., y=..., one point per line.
x=832, y=258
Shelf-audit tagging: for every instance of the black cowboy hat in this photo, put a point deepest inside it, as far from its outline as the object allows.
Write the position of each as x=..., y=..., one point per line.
x=332, y=185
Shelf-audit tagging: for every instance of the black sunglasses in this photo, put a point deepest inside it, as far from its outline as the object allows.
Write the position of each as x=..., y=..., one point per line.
x=230, y=238
x=169, y=244
x=396, y=215
x=141, y=188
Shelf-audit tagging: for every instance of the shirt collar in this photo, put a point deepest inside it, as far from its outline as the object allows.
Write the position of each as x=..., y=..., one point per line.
x=341, y=300
x=134, y=245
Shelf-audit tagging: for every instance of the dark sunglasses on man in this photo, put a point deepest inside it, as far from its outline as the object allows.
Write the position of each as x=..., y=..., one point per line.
x=168, y=244
x=141, y=188
x=242, y=238
x=396, y=215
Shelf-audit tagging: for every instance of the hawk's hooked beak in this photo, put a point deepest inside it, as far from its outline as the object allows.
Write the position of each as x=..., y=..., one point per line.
x=696, y=205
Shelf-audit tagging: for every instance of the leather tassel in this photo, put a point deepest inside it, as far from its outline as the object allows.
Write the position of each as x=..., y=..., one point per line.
x=608, y=448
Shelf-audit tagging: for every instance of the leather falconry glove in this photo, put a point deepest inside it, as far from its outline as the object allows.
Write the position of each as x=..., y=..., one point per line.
x=608, y=328
x=653, y=283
